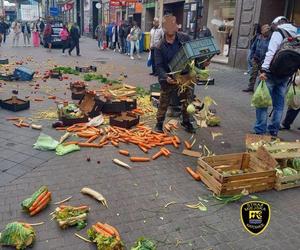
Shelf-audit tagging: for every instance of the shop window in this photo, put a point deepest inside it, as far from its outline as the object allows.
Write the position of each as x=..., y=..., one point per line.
x=220, y=21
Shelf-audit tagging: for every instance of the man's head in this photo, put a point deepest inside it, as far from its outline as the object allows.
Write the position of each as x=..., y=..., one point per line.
x=169, y=25
x=156, y=22
x=278, y=21
x=265, y=30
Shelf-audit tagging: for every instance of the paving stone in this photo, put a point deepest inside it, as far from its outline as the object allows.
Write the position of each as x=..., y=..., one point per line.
x=18, y=170
x=6, y=164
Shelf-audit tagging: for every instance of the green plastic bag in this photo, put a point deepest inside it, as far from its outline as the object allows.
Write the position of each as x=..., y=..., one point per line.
x=45, y=143
x=261, y=97
x=63, y=150
x=293, y=97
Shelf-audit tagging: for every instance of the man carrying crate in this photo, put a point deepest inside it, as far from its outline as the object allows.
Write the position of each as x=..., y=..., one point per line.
x=164, y=53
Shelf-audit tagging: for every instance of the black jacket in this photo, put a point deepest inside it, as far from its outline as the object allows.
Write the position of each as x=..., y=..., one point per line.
x=162, y=59
x=26, y=26
x=74, y=34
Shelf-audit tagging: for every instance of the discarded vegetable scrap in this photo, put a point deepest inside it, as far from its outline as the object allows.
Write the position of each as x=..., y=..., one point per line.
x=143, y=244
x=37, y=202
x=105, y=236
x=18, y=235
x=95, y=195
x=67, y=216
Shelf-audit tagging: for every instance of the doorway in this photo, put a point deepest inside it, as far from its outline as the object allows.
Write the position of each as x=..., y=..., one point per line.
x=95, y=18
x=176, y=9
x=138, y=18
x=149, y=16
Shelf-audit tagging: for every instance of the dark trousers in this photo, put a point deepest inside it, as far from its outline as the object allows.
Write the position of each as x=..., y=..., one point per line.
x=73, y=45
x=153, y=61
x=290, y=117
x=65, y=44
x=123, y=44
x=254, y=73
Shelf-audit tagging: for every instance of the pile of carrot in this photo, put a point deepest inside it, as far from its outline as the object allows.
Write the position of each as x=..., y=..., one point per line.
x=141, y=136
x=106, y=230
x=18, y=122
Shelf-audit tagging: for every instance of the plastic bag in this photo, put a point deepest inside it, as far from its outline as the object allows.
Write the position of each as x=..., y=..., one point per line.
x=149, y=61
x=96, y=121
x=261, y=97
x=293, y=97
x=45, y=143
x=19, y=235
x=63, y=150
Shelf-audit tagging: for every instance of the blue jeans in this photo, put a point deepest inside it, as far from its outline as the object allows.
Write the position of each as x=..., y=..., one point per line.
x=127, y=47
x=100, y=44
x=134, y=45
x=277, y=88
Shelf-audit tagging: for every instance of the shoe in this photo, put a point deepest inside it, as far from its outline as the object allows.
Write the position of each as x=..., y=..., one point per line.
x=152, y=74
x=188, y=127
x=139, y=57
x=78, y=55
x=70, y=53
x=159, y=127
x=282, y=127
x=132, y=58
x=248, y=90
x=245, y=73
x=63, y=54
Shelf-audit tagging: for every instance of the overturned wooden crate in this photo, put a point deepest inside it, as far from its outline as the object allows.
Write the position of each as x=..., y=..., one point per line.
x=232, y=173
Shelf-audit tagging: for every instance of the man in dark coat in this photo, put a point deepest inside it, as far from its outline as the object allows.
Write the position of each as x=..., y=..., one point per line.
x=74, y=37
x=164, y=53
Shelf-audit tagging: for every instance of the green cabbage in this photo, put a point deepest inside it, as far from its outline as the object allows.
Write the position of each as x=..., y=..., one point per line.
x=144, y=244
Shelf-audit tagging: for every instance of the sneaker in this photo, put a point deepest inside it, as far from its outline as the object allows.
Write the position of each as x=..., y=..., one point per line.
x=70, y=53
x=63, y=54
x=139, y=57
x=188, y=127
x=132, y=58
x=159, y=127
x=248, y=90
x=245, y=73
x=152, y=74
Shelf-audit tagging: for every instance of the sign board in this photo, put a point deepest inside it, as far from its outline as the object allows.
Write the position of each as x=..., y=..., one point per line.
x=54, y=11
x=98, y=5
x=29, y=12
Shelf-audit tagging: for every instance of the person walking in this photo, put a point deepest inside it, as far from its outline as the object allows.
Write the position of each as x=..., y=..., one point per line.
x=100, y=34
x=41, y=26
x=256, y=32
x=2, y=30
x=115, y=37
x=276, y=84
x=48, y=31
x=127, y=29
x=74, y=37
x=64, y=36
x=135, y=37
x=164, y=53
x=121, y=38
x=35, y=35
x=257, y=55
x=16, y=27
x=26, y=34
x=156, y=34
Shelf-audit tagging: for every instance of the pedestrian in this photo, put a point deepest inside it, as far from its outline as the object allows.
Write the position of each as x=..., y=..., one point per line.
x=64, y=36
x=110, y=35
x=256, y=32
x=292, y=112
x=74, y=39
x=48, y=31
x=156, y=34
x=257, y=55
x=127, y=29
x=35, y=35
x=135, y=37
x=2, y=30
x=164, y=53
x=16, y=27
x=41, y=26
x=204, y=32
x=122, y=39
x=277, y=85
x=100, y=34
x=115, y=37
x=26, y=34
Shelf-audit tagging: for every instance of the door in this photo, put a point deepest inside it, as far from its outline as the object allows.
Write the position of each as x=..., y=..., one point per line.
x=95, y=18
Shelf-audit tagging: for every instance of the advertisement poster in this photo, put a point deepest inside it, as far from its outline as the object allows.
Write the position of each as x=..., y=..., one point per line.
x=29, y=12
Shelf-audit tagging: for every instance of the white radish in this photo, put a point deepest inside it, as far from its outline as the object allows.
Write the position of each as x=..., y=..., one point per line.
x=96, y=195
x=121, y=164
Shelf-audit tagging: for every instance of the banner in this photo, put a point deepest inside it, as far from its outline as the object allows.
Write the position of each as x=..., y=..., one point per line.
x=29, y=12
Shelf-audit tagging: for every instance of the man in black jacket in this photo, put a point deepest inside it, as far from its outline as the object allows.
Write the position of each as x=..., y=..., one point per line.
x=74, y=36
x=164, y=53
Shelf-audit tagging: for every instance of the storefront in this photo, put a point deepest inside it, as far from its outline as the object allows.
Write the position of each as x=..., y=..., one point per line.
x=149, y=14
x=176, y=8
x=293, y=12
x=220, y=21
x=68, y=12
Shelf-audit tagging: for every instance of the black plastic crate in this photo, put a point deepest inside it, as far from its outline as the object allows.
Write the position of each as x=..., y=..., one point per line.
x=3, y=61
x=124, y=120
x=24, y=74
x=202, y=48
x=5, y=77
x=17, y=106
x=116, y=106
x=86, y=69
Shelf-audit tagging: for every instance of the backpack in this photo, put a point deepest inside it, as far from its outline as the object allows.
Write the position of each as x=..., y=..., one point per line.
x=286, y=60
x=64, y=35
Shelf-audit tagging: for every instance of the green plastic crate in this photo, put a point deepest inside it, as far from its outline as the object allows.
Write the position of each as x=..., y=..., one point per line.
x=201, y=48
x=155, y=87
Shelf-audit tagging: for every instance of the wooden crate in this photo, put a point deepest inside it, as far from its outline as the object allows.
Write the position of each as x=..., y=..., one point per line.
x=260, y=177
x=286, y=182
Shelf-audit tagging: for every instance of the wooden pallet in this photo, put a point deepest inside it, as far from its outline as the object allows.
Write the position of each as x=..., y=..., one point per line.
x=260, y=178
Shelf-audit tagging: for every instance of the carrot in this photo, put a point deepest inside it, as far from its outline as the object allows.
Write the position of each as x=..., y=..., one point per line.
x=143, y=149
x=51, y=97
x=145, y=145
x=187, y=145
x=12, y=119
x=81, y=208
x=37, y=201
x=26, y=125
x=18, y=125
x=93, y=138
x=175, y=143
x=177, y=139
x=103, y=139
x=114, y=143
x=92, y=145
x=158, y=154
x=165, y=152
x=70, y=143
x=38, y=99
x=114, y=230
x=106, y=229
x=195, y=175
x=122, y=140
x=139, y=159
x=124, y=152
x=100, y=231
x=103, y=144
x=42, y=204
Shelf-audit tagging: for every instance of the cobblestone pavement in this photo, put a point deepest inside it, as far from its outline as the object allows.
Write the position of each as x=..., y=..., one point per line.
x=136, y=198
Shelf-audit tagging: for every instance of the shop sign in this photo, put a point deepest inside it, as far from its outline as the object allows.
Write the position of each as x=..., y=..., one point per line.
x=138, y=8
x=68, y=6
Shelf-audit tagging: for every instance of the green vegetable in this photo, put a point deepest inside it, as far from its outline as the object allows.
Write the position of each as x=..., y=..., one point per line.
x=143, y=244
x=191, y=109
x=261, y=97
x=17, y=234
x=229, y=198
x=213, y=121
x=289, y=171
x=27, y=203
x=71, y=216
x=66, y=70
x=140, y=91
x=296, y=164
x=105, y=243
